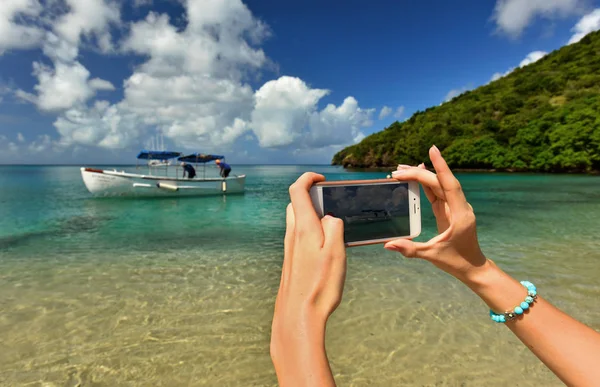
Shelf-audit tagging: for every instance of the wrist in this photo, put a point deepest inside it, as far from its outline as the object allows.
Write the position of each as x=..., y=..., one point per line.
x=298, y=350
x=496, y=288
x=480, y=276
x=295, y=332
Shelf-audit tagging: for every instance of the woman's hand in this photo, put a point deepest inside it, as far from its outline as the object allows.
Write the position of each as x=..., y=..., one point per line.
x=312, y=282
x=569, y=348
x=456, y=249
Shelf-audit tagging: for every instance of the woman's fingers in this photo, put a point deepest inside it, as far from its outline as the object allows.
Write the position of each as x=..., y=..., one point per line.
x=306, y=219
x=452, y=190
x=334, y=256
x=426, y=178
x=428, y=191
x=333, y=230
x=407, y=248
x=288, y=244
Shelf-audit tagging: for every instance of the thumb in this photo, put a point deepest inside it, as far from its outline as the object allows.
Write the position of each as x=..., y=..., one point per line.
x=333, y=231
x=407, y=248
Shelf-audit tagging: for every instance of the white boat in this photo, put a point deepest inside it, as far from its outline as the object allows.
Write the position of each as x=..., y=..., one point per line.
x=103, y=182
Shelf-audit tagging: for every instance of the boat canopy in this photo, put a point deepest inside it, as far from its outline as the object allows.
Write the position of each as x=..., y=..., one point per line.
x=157, y=155
x=199, y=158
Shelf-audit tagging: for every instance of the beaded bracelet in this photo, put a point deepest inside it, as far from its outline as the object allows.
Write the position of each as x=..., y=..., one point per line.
x=511, y=315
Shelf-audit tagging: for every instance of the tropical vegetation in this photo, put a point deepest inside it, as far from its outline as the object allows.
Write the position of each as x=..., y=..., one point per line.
x=542, y=117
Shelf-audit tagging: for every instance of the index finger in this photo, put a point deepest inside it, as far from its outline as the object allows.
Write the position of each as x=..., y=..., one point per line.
x=452, y=190
x=307, y=220
x=428, y=180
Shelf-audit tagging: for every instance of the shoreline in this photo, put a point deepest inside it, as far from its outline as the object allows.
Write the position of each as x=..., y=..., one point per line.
x=474, y=170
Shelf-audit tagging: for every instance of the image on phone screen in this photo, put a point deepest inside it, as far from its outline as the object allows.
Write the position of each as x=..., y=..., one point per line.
x=369, y=212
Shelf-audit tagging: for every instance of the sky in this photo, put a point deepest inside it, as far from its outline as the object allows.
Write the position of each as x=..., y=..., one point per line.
x=261, y=81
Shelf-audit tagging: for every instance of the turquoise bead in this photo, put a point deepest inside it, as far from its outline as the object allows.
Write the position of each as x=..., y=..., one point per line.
x=519, y=310
x=528, y=285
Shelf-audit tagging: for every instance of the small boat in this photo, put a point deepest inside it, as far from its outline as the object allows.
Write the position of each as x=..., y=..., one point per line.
x=162, y=179
x=369, y=216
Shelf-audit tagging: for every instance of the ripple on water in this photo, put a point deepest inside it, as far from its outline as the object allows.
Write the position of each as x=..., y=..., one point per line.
x=181, y=292
x=186, y=318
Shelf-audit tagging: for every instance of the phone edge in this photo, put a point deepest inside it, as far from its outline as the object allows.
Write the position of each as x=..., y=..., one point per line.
x=415, y=217
x=316, y=196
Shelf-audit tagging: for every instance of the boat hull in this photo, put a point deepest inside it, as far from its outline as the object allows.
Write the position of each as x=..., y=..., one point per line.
x=113, y=183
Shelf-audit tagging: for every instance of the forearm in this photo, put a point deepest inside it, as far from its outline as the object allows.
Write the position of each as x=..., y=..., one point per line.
x=569, y=348
x=299, y=355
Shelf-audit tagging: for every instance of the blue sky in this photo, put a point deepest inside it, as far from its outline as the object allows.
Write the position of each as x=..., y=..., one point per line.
x=263, y=81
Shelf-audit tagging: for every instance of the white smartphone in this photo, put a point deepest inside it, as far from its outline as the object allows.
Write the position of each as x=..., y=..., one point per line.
x=373, y=211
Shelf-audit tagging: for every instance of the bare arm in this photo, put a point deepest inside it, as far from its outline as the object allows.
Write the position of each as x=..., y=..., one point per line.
x=312, y=281
x=298, y=353
x=569, y=348
x=314, y=271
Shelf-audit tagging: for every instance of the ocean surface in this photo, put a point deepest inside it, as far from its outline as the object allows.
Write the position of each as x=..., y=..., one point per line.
x=180, y=292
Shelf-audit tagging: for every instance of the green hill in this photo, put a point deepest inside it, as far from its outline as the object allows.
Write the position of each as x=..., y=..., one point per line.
x=543, y=117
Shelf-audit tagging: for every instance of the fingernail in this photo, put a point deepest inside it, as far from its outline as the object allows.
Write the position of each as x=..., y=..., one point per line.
x=403, y=166
x=422, y=165
x=392, y=248
x=435, y=149
x=399, y=172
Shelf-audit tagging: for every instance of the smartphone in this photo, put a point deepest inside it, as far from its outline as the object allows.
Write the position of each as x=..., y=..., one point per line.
x=373, y=211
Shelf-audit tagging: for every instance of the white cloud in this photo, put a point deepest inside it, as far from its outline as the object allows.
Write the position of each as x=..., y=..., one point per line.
x=286, y=114
x=11, y=149
x=399, y=112
x=59, y=49
x=513, y=16
x=88, y=18
x=207, y=46
x=67, y=83
x=42, y=144
x=338, y=125
x=192, y=89
x=385, y=111
x=588, y=23
x=61, y=87
x=142, y=3
x=455, y=93
x=3, y=91
x=7, y=146
x=101, y=84
x=497, y=76
x=282, y=110
x=532, y=57
x=191, y=86
x=15, y=30
x=25, y=96
x=103, y=125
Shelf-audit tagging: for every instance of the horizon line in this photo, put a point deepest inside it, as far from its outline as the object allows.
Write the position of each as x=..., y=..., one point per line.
x=140, y=165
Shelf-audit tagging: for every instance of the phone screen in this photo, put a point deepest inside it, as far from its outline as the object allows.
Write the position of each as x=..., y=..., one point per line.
x=369, y=212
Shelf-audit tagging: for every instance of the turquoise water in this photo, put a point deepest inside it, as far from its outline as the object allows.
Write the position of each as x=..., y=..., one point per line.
x=179, y=292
